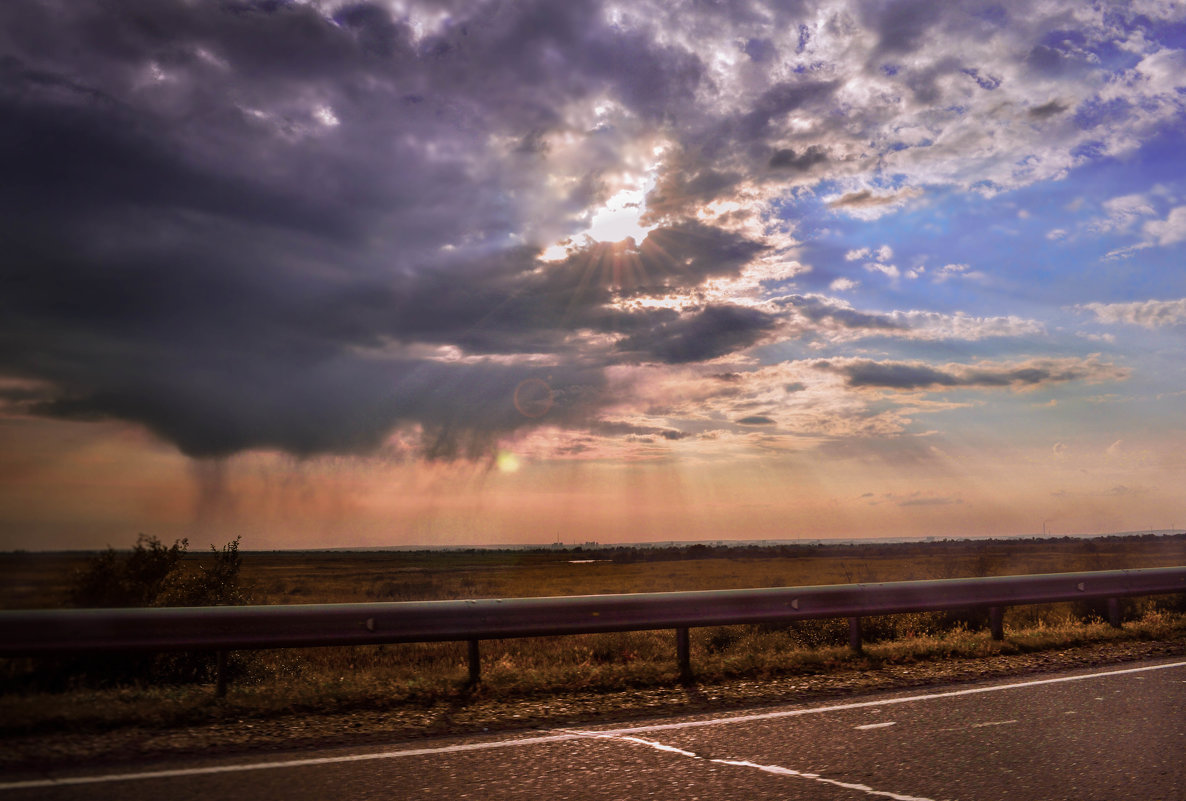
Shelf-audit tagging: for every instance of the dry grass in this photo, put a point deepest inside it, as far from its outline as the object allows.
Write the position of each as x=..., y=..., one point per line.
x=386, y=677
x=30, y=581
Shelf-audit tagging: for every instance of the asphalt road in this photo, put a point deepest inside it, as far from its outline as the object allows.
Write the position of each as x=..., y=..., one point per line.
x=1113, y=733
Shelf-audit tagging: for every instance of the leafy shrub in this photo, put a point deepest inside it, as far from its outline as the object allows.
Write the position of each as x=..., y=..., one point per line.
x=109, y=580
x=153, y=574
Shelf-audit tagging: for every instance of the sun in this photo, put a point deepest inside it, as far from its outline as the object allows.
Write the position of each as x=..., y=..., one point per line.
x=619, y=219
x=507, y=462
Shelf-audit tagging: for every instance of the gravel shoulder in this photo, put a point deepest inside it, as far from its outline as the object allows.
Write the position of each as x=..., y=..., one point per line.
x=476, y=712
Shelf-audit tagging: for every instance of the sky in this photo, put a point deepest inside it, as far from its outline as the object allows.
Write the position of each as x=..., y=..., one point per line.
x=326, y=274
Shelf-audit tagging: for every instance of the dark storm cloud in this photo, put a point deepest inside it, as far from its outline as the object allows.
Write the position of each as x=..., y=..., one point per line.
x=712, y=332
x=823, y=310
x=863, y=199
x=892, y=375
x=1051, y=109
x=241, y=224
x=505, y=304
x=1045, y=60
x=756, y=420
x=742, y=147
x=902, y=27
x=615, y=428
x=787, y=159
x=540, y=50
x=781, y=99
x=916, y=375
x=65, y=159
x=696, y=185
x=340, y=406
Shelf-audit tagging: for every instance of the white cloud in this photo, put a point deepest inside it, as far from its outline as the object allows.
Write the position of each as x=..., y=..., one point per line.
x=843, y=284
x=949, y=271
x=325, y=115
x=885, y=269
x=1125, y=252
x=1147, y=314
x=836, y=320
x=857, y=255
x=1123, y=213
x=935, y=326
x=1056, y=234
x=1170, y=230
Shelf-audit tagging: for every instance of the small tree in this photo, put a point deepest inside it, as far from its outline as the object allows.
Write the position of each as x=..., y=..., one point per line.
x=153, y=574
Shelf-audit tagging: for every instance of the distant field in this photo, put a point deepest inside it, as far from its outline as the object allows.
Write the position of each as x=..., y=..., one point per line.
x=41, y=580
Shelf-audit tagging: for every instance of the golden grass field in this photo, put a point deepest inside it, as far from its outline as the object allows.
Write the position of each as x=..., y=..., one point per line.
x=271, y=682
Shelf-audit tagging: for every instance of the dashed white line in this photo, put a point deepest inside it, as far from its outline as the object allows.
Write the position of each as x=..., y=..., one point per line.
x=868, y=726
x=781, y=771
x=777, y=770
x=560, y=737
x=993, y=723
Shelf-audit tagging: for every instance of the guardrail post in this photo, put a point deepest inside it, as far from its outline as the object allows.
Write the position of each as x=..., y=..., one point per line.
x=854, y=634
x=475, y=663
x=220, y=675
x=1114, y=612
x=996, y=622
x=683, y=653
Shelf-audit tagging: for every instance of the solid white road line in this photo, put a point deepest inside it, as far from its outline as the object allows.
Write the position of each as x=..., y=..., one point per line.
x=291, y=763
x=563, y=736
x=791, y=713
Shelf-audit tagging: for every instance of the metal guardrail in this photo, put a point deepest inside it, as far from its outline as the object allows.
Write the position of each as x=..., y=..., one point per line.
x=77, y=631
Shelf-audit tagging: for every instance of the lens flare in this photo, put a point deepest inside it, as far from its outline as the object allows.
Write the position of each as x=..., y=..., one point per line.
x=533, y=398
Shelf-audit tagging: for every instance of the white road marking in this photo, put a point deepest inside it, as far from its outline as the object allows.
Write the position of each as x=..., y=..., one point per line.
x=868, y=726
x=815, y=777
x=292, y=763
x=791, y=713
x=968, y=727
x=561, y=737
x=777, y=770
